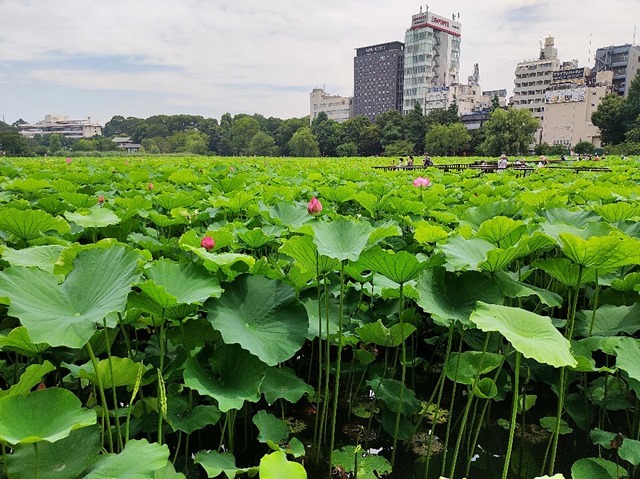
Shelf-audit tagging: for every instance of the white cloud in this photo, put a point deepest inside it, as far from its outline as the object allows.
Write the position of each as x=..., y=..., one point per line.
x=250, y=56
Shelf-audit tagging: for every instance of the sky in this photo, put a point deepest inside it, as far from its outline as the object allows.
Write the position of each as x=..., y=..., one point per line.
x=207, y=57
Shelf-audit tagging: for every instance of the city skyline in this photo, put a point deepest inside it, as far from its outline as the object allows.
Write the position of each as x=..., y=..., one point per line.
x=140, y=58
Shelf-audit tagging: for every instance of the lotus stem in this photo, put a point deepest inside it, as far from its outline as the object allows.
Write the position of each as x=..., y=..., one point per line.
x=114, y=396
x=452, y=405
x=37, y=454
x=514, y=413
x=336, y=391
x=103, y=398
x=403, y=374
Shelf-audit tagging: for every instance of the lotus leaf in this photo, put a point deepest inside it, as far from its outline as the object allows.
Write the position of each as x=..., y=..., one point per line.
x=282, y=383
x=369, y=466
x=95, y=217
x=128, y=464
x=29, y=379
x=276, y=466
x=596, y=468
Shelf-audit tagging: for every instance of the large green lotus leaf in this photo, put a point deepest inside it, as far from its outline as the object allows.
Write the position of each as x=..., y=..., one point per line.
x=27, y=185
x=378, y=333
x=168, y=472
x=388, y=391
x=565, y=271
x=368, y=201
x=235, y=377
x=629, y=450
x=190, y=241
x=579, y=218
x=532, y=335
x=477, y=215
x=215, y=464
x=498, y=259
x=601, y=251
x=187, y=283
x=516, y=289
x=270, y=428
x=43, y=257
x=427, y=233
x=138, y=460
x=31, y=224
x=125, y=372
x=30, y=378
x=276, y=466
x=288, y=214
x=341, y=239
x=311, y=305
x=609, y=320
x=464, y=254
x=305, y=255
x=263, y=316
x=67, y=259
x=596, y=228
x=63, y=459
x=282, y=383
x=630, y=282
x=225, y=261
x=192, y=420
x=399, y=267
x=502, y=231
x=628, y=356
x=255, y=238
x=370, y=466
x=452, y=297
x=46, y=415
x=66, y=314
x=96, y=217
x=617, y=211
x=18, y=340
x=463, y=367
x=596, y=468
x=384, y=230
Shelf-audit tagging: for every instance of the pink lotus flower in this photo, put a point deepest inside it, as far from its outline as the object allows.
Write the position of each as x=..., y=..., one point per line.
x=150, y=186
x=100, y=199
x=208, y=243
x=126, y=163
x=68, y=160
x=421, y=182
x=314, y=207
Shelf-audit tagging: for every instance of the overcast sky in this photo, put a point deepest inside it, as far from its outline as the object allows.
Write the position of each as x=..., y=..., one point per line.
x=207, y=57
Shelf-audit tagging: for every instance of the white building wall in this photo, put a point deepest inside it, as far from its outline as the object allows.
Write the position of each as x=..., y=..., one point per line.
x=336, y=107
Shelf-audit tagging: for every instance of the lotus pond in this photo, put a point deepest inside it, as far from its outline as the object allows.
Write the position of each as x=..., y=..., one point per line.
x=206, y=317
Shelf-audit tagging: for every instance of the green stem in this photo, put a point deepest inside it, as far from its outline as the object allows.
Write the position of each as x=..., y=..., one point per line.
x=114, y=395
x=103, y=398
x=4, y=460
x=452, y=405
x=336, y=391
x=403, y=375
x=317, y=439
x=161, y=340
x=595, y=305
x=514, y=412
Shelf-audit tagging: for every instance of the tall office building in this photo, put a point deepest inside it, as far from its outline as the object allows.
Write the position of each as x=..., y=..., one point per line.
x=533, y=77
x=431, y=56
x=623, y=61
x=377, y=79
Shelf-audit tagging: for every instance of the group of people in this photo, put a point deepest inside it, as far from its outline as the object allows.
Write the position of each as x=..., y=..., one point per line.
x=411, y=162
x=503, y=162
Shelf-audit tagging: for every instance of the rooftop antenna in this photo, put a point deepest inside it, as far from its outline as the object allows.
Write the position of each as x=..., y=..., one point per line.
x=420, y=8
x=589, y=57
x=634, y=35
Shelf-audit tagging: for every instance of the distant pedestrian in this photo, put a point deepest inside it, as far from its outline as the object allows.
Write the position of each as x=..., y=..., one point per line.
x=543, y=162
x=427, y=160
x=503, y=162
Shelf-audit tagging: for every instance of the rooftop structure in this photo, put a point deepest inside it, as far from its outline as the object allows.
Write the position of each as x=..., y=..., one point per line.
x=62, y=125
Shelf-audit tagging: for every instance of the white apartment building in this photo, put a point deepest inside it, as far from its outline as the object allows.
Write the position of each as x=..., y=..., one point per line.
x=336, y=107
x=431, y=57
x=569, y=103
x=533, y=78
x=62, y=125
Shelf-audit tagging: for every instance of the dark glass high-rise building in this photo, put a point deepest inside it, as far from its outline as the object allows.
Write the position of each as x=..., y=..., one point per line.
x=378, y=72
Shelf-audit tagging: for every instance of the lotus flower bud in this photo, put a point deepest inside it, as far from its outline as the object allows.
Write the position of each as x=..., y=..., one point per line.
x=314, y=207
x=208, y=243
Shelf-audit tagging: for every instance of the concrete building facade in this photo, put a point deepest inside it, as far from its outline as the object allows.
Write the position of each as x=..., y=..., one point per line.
x=336, y=107
x=62, y=125
x=378, y=74
x=571, y=99
x=533, y=77
x=431, y=56
x=623, y=61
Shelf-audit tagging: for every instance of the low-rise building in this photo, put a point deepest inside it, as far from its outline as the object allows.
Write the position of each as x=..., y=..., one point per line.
x=569, y=103
x=62, y=125
x=336, y=107
x=125, y=143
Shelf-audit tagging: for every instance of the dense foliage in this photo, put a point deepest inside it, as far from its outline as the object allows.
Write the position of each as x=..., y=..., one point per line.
x=198, y=317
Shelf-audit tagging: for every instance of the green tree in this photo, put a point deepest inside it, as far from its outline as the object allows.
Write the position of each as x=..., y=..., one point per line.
x=328, y=133
x=242, y=130
x=509, y=131
x=303, y=143
x=399, y=148
x=583, y=148
x=370, y=141
x=196, y=142
x=348, y=149
x=415, y=127
x=451, y=139
x=285, y=132
x=391, y=124
x=609, y=117
x=55, y=143
x=441, y=116
x=631, y=106
x=14, y=144
x=263, y=145
x=84, y=144
x=495, y=103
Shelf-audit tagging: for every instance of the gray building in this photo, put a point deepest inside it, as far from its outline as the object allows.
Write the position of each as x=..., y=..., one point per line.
x=377, y=76
x=623, y=61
